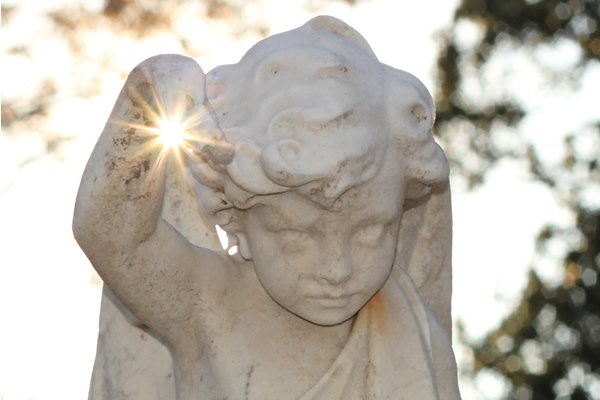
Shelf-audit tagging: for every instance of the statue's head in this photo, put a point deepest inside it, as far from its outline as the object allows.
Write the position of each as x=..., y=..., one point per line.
x=324, y=146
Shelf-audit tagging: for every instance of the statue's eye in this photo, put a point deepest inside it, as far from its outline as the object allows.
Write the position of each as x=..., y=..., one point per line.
x=370, y=235
x=293, y=240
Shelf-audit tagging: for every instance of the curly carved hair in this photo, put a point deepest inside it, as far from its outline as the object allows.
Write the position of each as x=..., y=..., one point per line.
x=314, y=111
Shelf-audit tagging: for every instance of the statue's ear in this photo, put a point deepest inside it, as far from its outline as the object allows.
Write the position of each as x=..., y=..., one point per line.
x=424, y=249
x=411, y=115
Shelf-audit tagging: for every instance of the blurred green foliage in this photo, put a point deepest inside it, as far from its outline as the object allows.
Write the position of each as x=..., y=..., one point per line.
x=549, y=347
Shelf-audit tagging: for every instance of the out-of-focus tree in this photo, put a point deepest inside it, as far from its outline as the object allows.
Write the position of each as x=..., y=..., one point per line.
x=549, y=347
x=91, y=32
x=71, y=51
x=71, y=26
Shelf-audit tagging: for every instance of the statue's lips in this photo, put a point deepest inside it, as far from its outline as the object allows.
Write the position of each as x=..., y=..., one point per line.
x=333, y=298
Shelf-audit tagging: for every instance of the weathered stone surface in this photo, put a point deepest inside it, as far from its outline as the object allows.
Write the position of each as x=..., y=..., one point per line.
x=318, y=161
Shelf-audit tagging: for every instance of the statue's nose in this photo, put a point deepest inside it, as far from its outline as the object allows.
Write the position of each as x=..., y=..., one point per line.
x=337, y=266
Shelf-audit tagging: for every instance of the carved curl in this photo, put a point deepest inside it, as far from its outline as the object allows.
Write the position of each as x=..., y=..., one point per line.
x=313, y=110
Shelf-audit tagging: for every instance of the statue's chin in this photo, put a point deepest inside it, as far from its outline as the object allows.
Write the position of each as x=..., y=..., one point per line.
x=326, y=315
x=332, y=321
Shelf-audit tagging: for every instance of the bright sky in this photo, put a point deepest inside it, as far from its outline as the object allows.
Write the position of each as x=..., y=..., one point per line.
x=49, y=295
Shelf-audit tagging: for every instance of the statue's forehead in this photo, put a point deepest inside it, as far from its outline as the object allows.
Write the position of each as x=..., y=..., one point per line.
x=372, y=200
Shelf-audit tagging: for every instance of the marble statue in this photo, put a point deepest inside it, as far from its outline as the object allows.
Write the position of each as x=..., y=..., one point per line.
x=319, y=163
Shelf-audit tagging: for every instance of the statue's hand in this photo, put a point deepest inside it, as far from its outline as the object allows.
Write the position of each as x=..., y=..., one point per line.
x=172, y=104
x=167, y=93
x=122, y=189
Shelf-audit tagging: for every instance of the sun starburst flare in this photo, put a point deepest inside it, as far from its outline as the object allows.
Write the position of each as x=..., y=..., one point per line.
x=173, y=128
x=172, y=133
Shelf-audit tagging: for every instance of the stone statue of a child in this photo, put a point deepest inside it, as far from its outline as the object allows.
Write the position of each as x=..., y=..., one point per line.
x=318, y=161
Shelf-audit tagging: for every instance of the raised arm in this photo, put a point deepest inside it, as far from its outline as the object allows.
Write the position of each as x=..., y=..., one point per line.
x=117, y=222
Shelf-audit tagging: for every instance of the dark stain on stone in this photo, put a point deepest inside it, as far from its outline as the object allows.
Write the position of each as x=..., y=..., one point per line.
x=248, y=377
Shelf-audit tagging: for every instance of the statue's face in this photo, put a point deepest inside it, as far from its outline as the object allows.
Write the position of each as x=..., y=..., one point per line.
x=325, y=265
